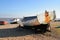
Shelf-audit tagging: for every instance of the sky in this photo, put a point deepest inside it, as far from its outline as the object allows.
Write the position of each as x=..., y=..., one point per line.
x=22, y=8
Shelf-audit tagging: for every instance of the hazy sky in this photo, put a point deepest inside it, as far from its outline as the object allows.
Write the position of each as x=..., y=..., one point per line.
x=21, y=8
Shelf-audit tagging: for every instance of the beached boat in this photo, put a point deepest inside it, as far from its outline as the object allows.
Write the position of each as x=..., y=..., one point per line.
x=37, y=21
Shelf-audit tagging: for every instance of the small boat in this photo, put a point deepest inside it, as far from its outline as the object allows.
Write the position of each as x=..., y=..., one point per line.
x=14, y=21
x=38, y=21
x=3, y=22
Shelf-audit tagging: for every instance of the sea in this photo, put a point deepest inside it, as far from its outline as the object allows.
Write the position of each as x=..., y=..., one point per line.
x=5, y=19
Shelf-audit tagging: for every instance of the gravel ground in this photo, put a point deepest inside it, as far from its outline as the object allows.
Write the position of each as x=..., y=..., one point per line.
x=12, y=32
